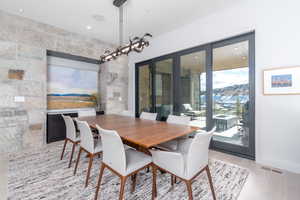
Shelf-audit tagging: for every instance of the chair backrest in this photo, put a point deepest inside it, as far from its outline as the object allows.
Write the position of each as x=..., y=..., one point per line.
x=86, y=136
x=149, y=116
x=187, y=107
x=183, y=120
x=70, y=127
x=197, y=157
x=113, y=150
x=87, y=112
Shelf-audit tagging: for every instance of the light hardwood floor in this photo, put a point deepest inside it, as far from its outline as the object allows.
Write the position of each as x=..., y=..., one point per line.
x=261, y=184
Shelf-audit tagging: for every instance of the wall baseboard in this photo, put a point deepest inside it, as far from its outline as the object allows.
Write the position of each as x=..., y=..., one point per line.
x=283, y=165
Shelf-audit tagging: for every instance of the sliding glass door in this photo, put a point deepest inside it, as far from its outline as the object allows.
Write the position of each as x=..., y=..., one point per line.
x=193, y=87
x=213, y=84
x=145, y=89
x=163, y=88
x=233, y=95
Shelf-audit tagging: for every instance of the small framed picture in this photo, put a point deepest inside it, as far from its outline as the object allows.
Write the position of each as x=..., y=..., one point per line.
x=282, y=81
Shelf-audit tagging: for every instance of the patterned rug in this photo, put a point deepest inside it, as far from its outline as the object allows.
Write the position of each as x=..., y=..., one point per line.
x=40, y=174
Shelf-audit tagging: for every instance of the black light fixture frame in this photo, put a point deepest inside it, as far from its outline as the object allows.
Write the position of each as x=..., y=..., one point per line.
x=137, y=44
x=119, y=3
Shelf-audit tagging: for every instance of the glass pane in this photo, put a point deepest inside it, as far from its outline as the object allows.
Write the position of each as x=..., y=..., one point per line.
x=193, y=87
x=231, y=94
x=163, y=88
x=145, y=91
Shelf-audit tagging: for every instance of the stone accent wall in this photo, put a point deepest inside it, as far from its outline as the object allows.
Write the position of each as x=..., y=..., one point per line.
x=23, y=72
x=114, y=82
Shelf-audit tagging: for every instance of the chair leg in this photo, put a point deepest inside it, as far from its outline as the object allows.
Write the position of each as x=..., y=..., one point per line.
x=73, y=149
x=154, y=189
x=211, y=183
x=133, y=182
x=123, y=180
x=64, y=148
x=189, y=188
x=77, y=161
x=99, y=180
x=172, y=180
x=89, y=170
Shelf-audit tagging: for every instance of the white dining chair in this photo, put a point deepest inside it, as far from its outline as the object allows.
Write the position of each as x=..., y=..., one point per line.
x=87, y=112
x=174, y=119
x=119, y=160
x=88, y=145
x=148, y=116
x=186, y=163
x=71, y=136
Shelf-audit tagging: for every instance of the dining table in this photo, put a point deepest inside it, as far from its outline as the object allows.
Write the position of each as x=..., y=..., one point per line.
x=140, y=133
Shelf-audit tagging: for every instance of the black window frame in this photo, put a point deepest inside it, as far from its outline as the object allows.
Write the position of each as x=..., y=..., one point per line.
x=219, y=146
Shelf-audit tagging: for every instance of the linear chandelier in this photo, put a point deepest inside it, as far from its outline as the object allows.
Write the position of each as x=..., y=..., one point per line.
x=137, y=44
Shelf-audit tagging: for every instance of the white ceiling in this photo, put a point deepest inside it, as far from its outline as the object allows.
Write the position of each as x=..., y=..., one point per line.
x=153, y=16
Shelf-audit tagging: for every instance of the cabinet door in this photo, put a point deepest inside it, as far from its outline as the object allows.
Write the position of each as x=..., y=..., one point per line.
x=56, y=129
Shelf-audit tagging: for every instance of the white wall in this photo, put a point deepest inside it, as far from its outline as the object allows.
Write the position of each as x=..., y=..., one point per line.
x=276, y=24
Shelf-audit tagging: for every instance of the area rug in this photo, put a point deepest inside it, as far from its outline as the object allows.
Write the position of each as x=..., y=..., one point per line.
x=40, y=174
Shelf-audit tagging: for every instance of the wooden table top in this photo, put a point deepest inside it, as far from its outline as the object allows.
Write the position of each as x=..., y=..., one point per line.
x=145, y=133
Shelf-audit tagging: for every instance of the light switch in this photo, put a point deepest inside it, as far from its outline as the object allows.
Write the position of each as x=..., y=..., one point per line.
x=19, y=99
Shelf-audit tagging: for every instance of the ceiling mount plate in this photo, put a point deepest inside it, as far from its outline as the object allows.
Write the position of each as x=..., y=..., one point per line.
x=119, y=3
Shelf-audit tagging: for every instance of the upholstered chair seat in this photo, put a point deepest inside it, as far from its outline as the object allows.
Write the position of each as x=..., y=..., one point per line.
x=173, y=144
x=187, y=162
x=123, y=162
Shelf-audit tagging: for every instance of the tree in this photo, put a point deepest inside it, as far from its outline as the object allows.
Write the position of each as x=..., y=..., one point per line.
x=238, y=106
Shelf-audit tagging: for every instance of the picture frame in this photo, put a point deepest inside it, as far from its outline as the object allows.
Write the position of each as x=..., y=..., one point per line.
x=281, y=81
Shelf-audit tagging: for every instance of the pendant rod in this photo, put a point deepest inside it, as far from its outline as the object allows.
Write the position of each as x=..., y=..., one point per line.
x=121, y=25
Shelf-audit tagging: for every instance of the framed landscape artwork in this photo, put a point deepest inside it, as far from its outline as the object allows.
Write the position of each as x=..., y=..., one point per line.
x=282, y=81
x=71, y=88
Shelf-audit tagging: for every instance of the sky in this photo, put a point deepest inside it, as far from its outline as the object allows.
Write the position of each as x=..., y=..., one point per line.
x=231, y=77
x=65, y=80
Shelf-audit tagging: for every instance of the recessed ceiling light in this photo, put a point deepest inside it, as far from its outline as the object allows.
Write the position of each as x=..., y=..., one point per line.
x=88, y=27
x=21, y=10
x=236, y=48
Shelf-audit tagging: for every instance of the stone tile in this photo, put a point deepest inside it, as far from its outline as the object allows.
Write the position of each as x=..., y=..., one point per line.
x=8, y=50
x=30, y=52
x=37, y=116
x=11, y=139
x=31, y=89
x=35, y=70
x=33, y=138
x=40, y=27
x=32, y=103
x=34, y=38
x=66, y=45
x=27, y=66
x=8, y=89
x=7, y=101
x=8, y=32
